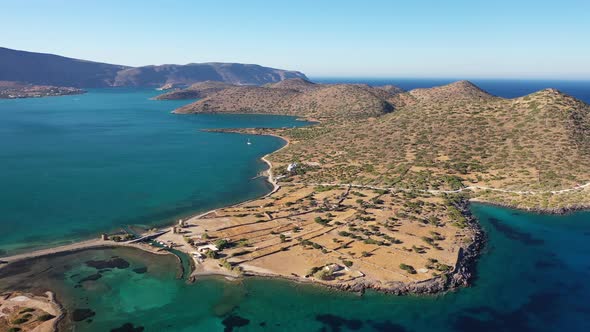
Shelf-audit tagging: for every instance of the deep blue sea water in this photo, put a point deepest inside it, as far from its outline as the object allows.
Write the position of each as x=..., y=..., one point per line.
x=532, y=276
x=74, y=166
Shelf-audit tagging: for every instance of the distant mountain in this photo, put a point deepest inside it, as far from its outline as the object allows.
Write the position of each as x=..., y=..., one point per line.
x=234, y=73
x=49, y=69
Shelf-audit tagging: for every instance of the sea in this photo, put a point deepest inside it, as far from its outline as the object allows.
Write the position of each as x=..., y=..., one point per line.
x=74, y=166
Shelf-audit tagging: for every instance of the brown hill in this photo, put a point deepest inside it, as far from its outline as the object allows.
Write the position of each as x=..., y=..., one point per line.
x=321, y=102
x=242, y=99
x=297, y=84
x=195, y=91
x=340, y=101
x=461, y=90
x=391, y=89
x=537, y=143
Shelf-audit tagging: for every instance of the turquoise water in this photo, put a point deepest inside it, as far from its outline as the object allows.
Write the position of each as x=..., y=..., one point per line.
x=532, y=276
x=74, y=166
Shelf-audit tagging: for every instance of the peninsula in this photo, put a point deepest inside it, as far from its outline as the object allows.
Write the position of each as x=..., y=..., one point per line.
x=376, y=194
x=14, y=90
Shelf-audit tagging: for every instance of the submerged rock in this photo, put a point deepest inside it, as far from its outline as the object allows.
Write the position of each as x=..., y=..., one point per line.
x=128, y=327
x=336, y=323
x=79, y=315
x=92, y=277
x=140, y=270
x=232, y=321
x=115, y=262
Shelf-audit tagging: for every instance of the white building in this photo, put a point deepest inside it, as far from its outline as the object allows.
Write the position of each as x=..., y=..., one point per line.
x=292, y=167
x=207, y=247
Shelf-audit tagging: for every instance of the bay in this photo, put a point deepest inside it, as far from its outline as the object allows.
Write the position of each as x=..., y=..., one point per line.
x=74, y=166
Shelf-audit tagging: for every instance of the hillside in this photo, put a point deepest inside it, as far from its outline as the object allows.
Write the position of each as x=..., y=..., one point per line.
x=233, y=73
x=530, y=152
x=195, y=91
x=299, y=98
x=297, y=84
x=49, y=69
x=461, y=90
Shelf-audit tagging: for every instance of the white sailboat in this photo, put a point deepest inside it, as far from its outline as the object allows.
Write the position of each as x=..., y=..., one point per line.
x=249, y=143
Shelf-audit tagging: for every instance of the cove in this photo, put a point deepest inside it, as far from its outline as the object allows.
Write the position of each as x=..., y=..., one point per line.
x=74, y=166
x=532, y=276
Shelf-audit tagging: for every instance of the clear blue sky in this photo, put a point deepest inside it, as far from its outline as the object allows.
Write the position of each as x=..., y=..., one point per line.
x=436, y=38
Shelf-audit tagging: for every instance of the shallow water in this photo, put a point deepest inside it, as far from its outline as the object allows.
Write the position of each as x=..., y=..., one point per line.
x=74, y=166
x=532, y=276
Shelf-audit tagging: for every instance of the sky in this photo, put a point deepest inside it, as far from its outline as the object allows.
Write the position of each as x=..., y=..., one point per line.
x=371, y=38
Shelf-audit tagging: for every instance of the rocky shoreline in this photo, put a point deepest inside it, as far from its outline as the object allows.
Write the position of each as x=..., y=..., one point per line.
x=565, y=210
x=461, y=276
x=15, y=90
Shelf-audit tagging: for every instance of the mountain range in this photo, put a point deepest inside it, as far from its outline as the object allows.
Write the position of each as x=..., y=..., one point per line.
x=55, y=70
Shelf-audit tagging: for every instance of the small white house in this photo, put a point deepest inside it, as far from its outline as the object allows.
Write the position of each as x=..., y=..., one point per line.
x=207, y=247
x=292, y=167
x=333, y=268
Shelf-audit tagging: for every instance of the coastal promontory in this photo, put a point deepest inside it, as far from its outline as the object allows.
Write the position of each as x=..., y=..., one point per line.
x=14, y=90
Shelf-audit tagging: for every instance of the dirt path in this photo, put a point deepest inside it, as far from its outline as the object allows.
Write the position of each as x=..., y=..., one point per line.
x=89, y=244
x=432, y=191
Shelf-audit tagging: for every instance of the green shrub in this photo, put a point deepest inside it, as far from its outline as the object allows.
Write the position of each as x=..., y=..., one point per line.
x=324, y=274
x=20, y=320
x=45, y=317
x=221, y=244
x=408, y=268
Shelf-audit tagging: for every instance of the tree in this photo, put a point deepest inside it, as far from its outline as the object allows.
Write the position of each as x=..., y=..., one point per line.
x=324, y=274
x=221, y=244
x=211, y=254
